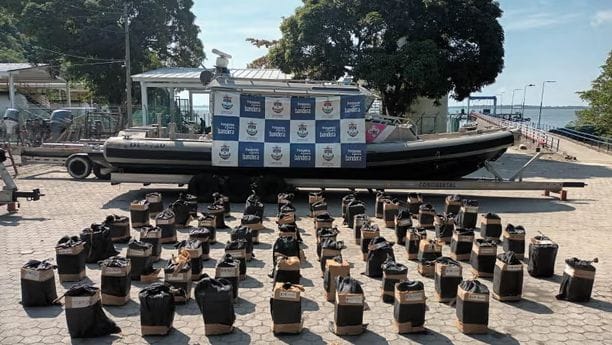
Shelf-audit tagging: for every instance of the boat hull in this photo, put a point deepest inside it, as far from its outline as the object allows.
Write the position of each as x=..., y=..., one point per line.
x=439, y=159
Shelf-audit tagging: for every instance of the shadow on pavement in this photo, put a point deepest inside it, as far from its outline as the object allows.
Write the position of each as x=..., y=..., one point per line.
x=531, y=306
x=306, y=334
x=43, y=312
x=494, y=337
x=598, y=304
x=427, y=337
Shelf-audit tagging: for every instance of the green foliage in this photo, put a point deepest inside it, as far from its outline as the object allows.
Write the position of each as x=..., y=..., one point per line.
x=401, y=48
x=82, y=36
x=10, y=40
x=599, y=98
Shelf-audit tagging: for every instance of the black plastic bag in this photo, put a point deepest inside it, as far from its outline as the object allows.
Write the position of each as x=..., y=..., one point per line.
x=334, y=267
x=182, y=212
x=203, y=235
x=84, y=314
x=156, y=309
x=359, y=221
x=448, y=275
x=409, y=308
x=452, y=204
x=119, y=228
x=483, y=257
x=413, y=239
x=415, y=200
x=156, y=204
x=178, y=275
x=381, y=198
x=217, y=211
x=577, y=281
x=468, y=214
x=508, y=277
x=403, y=222
x=254, y=206
x=194, y=248
x=426, y=216
x=345, y=201
x=444, y=225
x=393, y=273
x=246, y=234
x=472, y=306
x=98, y=243
x=287, y=246
x=229, y=269
x=38, y=284
x=491, y=227
x=70, y=257
x=379, y=251
x=139, y=213
x=192, y=203
x=348, y=309
x=115, y=280
x=324, y=234
x=461, y=243
x=216, y=302
x=330, y=248
x=289, y=230
x=287, y=270
x=286, y=308
x=284, y=199
x=152, y=234
x=141, y=261
x=165, y=220
x=237, y=248
x=514, y=240
x=542, y=256
x=354, y=208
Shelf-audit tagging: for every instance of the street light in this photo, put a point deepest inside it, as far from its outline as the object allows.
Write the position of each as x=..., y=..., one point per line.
x=542, y=99
x=512, y=104
x=524, y=94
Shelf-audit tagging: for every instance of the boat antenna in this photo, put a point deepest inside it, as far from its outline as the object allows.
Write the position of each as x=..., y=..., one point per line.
x=222, y=62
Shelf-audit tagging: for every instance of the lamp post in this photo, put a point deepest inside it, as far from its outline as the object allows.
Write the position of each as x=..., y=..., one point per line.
x=542, y=99
x=524, y=94
x=512, y=104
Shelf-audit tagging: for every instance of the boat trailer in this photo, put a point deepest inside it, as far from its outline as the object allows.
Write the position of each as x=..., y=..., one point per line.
x=514, y=183
x=9, y=194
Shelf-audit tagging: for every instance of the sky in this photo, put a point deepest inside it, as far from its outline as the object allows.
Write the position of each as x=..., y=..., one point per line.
x=562, y=40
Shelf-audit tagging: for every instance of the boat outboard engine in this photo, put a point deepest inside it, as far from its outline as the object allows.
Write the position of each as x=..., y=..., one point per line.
x=59, y=121
x=10, y=122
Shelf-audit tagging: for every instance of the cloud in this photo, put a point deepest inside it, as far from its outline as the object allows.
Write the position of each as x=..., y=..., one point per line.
x=601, y=17
x=537, y=20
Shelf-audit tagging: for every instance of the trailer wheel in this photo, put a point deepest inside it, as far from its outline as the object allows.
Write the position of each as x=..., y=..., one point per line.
x=97, y=170
x=79, y=167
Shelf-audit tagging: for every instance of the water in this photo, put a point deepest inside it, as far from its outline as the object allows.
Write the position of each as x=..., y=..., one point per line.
x=551, y=117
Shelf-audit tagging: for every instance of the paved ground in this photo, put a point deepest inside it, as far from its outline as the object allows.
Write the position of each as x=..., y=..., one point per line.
x=581, y=226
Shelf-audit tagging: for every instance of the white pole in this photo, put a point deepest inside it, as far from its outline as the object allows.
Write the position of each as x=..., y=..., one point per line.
x=144, y=99
x=12, y=90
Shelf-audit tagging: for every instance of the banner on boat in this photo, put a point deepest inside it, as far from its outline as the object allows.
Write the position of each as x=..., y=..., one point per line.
x=288, y=132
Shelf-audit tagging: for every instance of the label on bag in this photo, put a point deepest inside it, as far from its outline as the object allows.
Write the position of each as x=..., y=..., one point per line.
x=514, y=268
x=464, y=238
x=65, y=251
x=452, y=271
x=236, y=253
x=288, y=294
x=81, y=301
x=177, y=277
x=487, y=251
x=227, y=272
x=354, y=299
x=113, y=271
x=31, y=275
x=476, y=298
x=414, y=296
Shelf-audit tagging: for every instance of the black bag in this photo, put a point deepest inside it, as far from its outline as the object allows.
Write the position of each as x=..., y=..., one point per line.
x=359, y=221
x=216, y=302
x=194, y=248
x=139, y=213
x=403, y=222
x=426, y=216
x=285, y=246
x=345, y=201
x=288, y=230
x=284, y=199
x=84, y=314
x=514, y=240
x=70, y=257
x=452, y=204
x=490, y=227
x=461, y=244
x=472, y=306
x=244, y=233
x=354, y=208
x=287, y=270
x=429, y=250
x=217, y=211
x=334, y=267
x=542, y=256
x=468, y=214
x=38, y=284
x=192, y=203
x=448, y=275
x=413, y=240
x=368, y=233
x=381, y=197
x=409, y=306
x=415, y=200
x=156, y=204
x=330, y=248
x=313, y=198
x=139, y=254
x=202, y=235
x=323, y=234
x=254, y=206
x=165, y=220
x=223, y=200
x=483, y=257
x=319, y=207
x=115, y=280
x=577, y=282
x=229, y=269
x=156, y=309
x=178, y=275
x=237, y=249
x=348, y=307
x=391, y=209
x=182, y=212
x=444, y=225
x=508, y=278
x=323, y=220
x=98, y=243
x=393, y=273
x=286, y=308
x=119, y=228
x=379, y=251
x=152, y=234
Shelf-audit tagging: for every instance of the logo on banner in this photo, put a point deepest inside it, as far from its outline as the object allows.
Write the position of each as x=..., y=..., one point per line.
x=227, y=103
x=224, y=152
x=251, y=128
x=302, y=131
x=277, y=153
x=277, y=107
x=251, y=154
x=328, y=153
x=303, y=155
x=352, y=130
x=328, y=107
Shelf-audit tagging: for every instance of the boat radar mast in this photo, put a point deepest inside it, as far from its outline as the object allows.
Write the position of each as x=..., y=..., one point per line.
x=222, y=62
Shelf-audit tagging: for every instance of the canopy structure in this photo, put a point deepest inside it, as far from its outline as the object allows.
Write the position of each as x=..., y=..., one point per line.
x=483, y=98
x=188, y=79
x=30, y=76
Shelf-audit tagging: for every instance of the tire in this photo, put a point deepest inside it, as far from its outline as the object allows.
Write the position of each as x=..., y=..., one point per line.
x=79, y=167
x=97, y=170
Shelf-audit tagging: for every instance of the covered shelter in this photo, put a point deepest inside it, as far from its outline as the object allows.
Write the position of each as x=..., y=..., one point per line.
x=26, y=75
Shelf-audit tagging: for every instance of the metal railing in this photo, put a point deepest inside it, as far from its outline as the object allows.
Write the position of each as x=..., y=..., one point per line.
x=537, y=136
x=594, y=141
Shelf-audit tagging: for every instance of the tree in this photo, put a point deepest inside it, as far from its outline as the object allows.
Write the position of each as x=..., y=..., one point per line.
x=10, y=40
x=401, y=48
x=599, y=98
x=86, y=38
x=263, y=61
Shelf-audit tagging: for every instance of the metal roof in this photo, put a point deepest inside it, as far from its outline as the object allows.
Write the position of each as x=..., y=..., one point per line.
x=192, y=75
x=27, y=73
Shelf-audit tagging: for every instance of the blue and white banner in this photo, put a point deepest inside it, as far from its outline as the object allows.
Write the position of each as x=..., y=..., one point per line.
x=298, y=132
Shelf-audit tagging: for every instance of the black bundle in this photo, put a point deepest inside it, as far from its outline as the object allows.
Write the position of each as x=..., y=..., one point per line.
x=508, y=278
x=429, y=250
x=237, y=249
x=98, y=243
x=403, y=222
x=286, y=217
x=514, y=240
x=381, y=198
x=284, y=199
x=177, y=273
x=346, y=200
x=156, y=205
x=182, y=212
x=359, y=221
x=379, y=251
x=194, y=248
x=288, y=230
x=254, y=206
x=318, y=208
x=368, y=232
x=285, y=246
x=165, y=220
x=156, y=309
x=490, y=226
x=461, y=244
x=577, y=282
x=415, y=200
x=314, y=197
x=223, y=200
x=391, y=209
x=330, y=248
x=287, y=269
x=254, y=223
x=70, y=257
x=413, y=240
x=139, y=254
x=229, y=269
x=393, y=273
x=139, y=213
x=354, y=208
x=444, y=225
x=119, y=228
x=246, y=234
x=426, y=216
x=348, y=307
x=192, y=203
x=286, y=308
x=472, y=307
x=452, y=204
x=218, y=212
x=448, y=275
x=323, y=234
x=468, y=214
x=323, y=220
x=115, y=280
x=334, y=268
x=483, y=257
x=84, y=314
x=38, y=284
x=152, y=234
x=216, y=302
x=202, y=235
x=409, y=307
x=542, y=256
